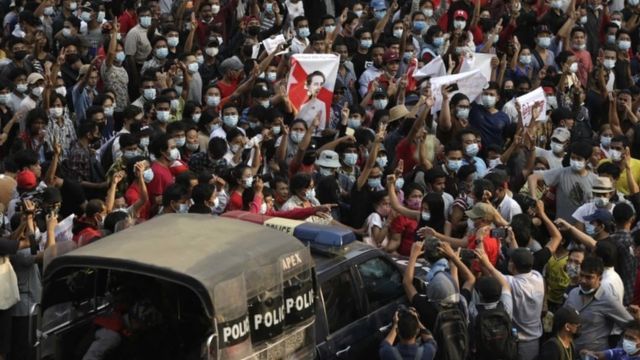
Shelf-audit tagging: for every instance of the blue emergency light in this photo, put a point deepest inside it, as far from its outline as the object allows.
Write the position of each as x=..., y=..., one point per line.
x=316, y=234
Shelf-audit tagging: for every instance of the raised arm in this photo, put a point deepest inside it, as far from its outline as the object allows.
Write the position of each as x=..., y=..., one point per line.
x=113, y=43
x=585, y=239
x=111, y=193
x=144, y=194
x=555, y=237
x=407, y=279
x=371, y=160
x=454, y=261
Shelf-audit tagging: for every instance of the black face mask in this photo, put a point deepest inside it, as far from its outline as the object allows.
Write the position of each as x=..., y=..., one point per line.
x=508, y=94
x=20, y=55
x=253, y=30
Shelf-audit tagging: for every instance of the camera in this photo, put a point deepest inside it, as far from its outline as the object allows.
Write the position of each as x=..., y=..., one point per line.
x=36, y=197
x=499, y=233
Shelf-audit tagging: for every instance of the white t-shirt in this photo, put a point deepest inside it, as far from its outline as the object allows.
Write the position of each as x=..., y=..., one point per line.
x=509, y=208
x=612, y=283
x=375, y=220
x=554, y=161
x=586, y=210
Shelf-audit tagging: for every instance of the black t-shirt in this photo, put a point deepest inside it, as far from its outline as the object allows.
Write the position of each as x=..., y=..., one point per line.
x=426, y=310
x=552, y=349
x=361, y=206
x=359, y=61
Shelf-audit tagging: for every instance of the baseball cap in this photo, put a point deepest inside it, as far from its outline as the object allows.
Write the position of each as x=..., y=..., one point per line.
x=602, y=215
x=480, y=211
x=390, y=56
x=543, y=29
x=561, y=134
x=26, y=179
x=34, y=78
x=460, y=14
x=329, y=159
x=564, y=315
x=603, y=185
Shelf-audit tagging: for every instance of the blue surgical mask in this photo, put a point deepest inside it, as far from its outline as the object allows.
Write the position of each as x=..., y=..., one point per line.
x=354, y=123
x=419, y=26
x=304, y=32
x=120, y=56
x=145, y=21
x=374, y=183
x=379, y=14
x=438, y=41
x=350, y=159
x=148, y=175
x=297, y=136
x=161, y=53
x=366, y=43
x=230, y=120
x=454, y=165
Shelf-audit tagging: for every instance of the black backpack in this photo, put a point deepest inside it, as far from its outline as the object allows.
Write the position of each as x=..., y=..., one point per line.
x=450, y=332
x=493, y=334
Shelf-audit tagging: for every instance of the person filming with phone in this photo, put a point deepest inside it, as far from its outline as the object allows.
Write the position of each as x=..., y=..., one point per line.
x=407, y=327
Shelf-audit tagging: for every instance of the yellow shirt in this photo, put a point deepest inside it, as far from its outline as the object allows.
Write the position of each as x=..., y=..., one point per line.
x=557, y=279
x=622, y=185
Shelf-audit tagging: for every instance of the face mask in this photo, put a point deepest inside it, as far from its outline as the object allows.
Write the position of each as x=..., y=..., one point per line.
x=199, y=59
x=629, y=346
x=173, y=41
x=586, y=292
x=379, y=14
x=590, y=229
x=382, y=161
x=49, y=11
x=85, y=16
x=329, y=29
x=617, y=22
x=414, y=204
x=161, y=53
x=611, y=39
x=73, y=6
x=62, y=91
x=56, y=112
x=149, y=94
x=605, y=140
x=601, y=202
x=162, y=116
x=488, y=101
x=583, y=19
x=462, y=113
x=472, y=150
x=230, y=120
x=212, y=51
x=573, y=270
x=183, y=209
x=144, y=142
x=557, y=148
x=544, y=42
x=459, y=24
x=557, y=4
x=215, y=9
x=624, y=45
x=358, y=13
x=426, y=216
x=181, y=141
x=634, y=2
x=37, y=91
x=130, y=154
x=303, y=32
x=310, y=194
x=66, y=32
x=366, y=43
x=573, y=68
x=193, y=67
x=494, y=162
x=145, y=21
x=174, y=104
x=454, y=165
x=213, y=100
x=265, y=104
x=419, y=26
x=147, y=175
x=4, y=99
x=354, y=123
x=397, y=33
x=271, y=76
x=577, y=165
x=552, y=101
x=380, y=104
x=399, y=183
x=120, y=56
x=108, y=111
x=579, y=46
x=427, y=12
x=615, y=155
x=326, y=171
x=525, y=59
x=296, y=136
x=438, y=41
x=100, y=17
x=350, y=159
x=193, y=147
x=374, y=183
x=275, y=130
x=174, y=154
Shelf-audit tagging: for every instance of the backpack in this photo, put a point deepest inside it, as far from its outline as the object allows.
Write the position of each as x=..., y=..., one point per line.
x=398, y=356
x=493, y=334
x=450, y=332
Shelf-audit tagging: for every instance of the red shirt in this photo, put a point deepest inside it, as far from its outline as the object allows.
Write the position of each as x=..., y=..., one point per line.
x=162, y=178
x=491, y=248
x=406, y=227
x=235, y=201
x=132, y=195
x=128, y=20
x=406, y=151
x=226, y=89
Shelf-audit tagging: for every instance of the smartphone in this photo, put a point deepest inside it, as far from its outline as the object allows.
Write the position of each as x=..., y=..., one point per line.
x=467, y=254
x=349, y=132
x=499, y=233
x=453, y=87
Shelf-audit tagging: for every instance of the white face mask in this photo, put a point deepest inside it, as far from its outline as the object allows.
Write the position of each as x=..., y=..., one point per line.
x=574, y=67
x=62, y=91
x=56, y=112
x=577, y=165
x=629, y=346
x=615, y=155
x=174, y=154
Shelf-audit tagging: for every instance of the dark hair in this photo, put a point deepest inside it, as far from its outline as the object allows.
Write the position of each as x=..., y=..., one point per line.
x=497, y=178
x=435, y=202
x=159, y=144
x=173, y=192
x=201, y=193
x=407, y=325
x=25, y=158
x=621, y=139
x=184, y=179
x=606, y=251
x=622, y=213
x=86, y=127
x=298, y=19
x=299, y=181
x=633, y=325
x=592, y=265
x=521, y=225
x=609, y=168
x=175, y=127
x=452, y=146
x=479, y=187
x=34, y=115
x=217, y=147
x=113, y=219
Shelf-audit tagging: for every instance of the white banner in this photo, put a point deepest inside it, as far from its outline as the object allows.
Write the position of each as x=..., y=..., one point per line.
x=478, y=61
x=434, y=68
x=527, y=101
x=271, y=43
x=469, y=83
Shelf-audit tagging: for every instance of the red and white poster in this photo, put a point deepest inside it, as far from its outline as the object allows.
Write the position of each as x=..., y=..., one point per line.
x=310, y=87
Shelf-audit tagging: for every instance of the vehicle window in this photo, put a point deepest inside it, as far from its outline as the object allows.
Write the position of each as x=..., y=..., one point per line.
x=339, y=300
x=382, y=282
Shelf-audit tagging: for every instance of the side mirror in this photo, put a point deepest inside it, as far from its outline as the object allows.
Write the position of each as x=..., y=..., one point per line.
x=34, y=325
